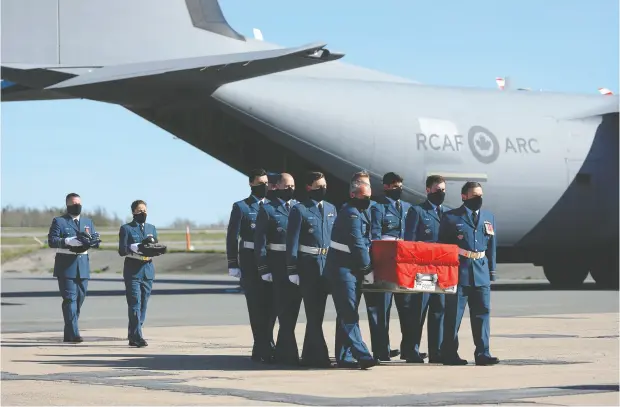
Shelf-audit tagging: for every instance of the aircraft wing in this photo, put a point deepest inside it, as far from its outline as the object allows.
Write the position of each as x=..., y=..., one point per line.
x=163, y=81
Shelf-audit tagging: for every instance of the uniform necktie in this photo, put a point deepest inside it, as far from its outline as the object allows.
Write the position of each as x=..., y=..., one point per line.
x=321, y=209
x=438, y=211
x=142, y=227
x=398, y=206
x=287, y=205
x=77, y=223
x=475, y=216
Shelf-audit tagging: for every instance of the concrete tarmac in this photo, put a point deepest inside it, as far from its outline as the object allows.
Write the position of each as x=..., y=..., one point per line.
x=557, y=348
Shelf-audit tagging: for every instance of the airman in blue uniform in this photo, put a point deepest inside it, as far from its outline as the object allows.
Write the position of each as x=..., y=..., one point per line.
x=72, y=236
x=423, y=226
x=473, y=230
x=347, y=266
x=270, y=252
x=389, y=215
x=242, y=264
x=138, y=270
x=307, y=242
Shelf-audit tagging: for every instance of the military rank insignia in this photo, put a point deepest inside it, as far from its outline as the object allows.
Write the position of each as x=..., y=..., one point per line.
x=488, y=228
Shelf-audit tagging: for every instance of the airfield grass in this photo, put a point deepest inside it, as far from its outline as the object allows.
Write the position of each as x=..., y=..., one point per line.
x=11, y=253
x=108, y=238
x=15, y=246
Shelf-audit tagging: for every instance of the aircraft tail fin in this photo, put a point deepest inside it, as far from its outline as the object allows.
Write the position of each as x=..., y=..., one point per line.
x=97, y=33
x=43, y=39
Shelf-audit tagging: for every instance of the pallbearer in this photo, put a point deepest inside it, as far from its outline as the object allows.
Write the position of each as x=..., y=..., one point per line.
x=307, y=242
x=423, y=226
x=473, y=230
x=270, y=254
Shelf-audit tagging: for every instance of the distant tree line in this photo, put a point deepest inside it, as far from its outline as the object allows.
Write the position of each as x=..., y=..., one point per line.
x=180, y=223
x=31, y=217
x=42, y=218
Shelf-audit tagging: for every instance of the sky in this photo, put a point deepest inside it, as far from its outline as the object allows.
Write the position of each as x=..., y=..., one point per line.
x=111, y=157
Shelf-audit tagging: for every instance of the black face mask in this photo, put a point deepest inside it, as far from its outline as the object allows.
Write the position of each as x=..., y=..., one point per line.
x=361, y=203
x=474, y=203
x=317, y=194
x=140, y=217
x=272, y=194
x=259, y=191
x=286, y=194
x=74, y=209
x=437, y=197
x=394, y=193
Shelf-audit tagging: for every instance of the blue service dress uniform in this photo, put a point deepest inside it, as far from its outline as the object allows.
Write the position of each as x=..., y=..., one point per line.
x=270, y=252
x=423, y=226
x=388, y=223
x=308, y=237
x=258, y=293
x=348, y=260
x=475, y=240
x=71, y=269
x=138, y=274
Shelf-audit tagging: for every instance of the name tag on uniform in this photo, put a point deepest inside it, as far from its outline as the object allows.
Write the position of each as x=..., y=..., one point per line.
x=330, y=214
x=488, y=228
x=388, y=214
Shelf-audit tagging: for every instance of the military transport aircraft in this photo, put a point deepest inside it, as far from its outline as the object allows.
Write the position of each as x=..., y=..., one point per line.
x=548, y=161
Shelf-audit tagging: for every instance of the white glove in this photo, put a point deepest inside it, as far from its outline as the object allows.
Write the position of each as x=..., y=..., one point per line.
x=267, y=277
x=369, y=278
x=234, y=273
x=72, y=241
x=134, y=247
x=294, y=278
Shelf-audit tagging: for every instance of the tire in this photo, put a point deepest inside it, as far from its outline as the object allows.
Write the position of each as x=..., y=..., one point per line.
x=605, y=271
x=565, y=274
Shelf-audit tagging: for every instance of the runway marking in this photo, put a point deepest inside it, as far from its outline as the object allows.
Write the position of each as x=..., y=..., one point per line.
x=131, y=378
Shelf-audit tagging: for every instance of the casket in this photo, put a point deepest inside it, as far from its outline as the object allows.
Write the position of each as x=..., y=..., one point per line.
x=403, y=266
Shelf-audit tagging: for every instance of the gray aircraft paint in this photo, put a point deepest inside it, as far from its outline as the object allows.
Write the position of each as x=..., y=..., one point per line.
x=525, y=147
x=378, y=123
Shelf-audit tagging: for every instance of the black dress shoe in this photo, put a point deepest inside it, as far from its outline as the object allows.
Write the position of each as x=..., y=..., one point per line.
x=457, y=361
x=77, y=339
x=415, y=359
x=435, y=359
x=394, y=353
x=367, y=363
x=486, y=360
x=423, y=355
x=139, y=343
x=347, y=365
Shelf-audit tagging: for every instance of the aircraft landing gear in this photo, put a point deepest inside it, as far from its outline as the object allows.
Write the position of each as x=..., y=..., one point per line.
x=565, y=273
x=604, y=270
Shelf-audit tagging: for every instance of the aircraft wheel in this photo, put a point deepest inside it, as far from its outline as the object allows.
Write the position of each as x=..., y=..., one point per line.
x=565, y=274
x=605, y=272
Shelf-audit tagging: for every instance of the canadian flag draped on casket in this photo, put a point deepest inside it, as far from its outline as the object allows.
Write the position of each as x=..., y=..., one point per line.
x=403, y=266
